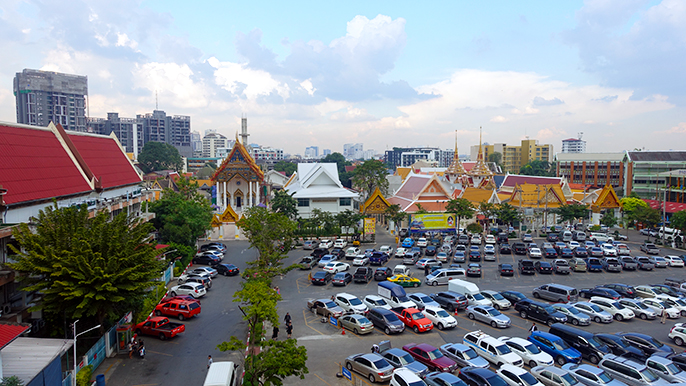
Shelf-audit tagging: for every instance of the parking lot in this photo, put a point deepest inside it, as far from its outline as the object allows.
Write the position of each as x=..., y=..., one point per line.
x=328, y=347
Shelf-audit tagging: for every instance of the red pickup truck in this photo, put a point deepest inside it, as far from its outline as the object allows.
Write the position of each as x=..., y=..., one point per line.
x=182, y=309
x=159, y=326
x=414, y=319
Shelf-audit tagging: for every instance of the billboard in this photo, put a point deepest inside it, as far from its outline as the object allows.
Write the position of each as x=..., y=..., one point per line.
x=432, y=221
x=369, y=225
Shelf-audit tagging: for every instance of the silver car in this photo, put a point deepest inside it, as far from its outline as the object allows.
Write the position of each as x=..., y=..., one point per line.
x=591, y=375
x=464, y=355
x=499, y=302
x=372, y=366
x=356, y=323
x=574, y=316
x=596, y=313
x=636, y=305
x=488, y=315
x=666, y=369
x=554, y=376
x=423, y=300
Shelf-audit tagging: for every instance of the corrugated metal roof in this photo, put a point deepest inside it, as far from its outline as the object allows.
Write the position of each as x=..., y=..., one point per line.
x=658, y=156
x=106, y=160
x=590, y=157
x=36, y=166
x=26, y=357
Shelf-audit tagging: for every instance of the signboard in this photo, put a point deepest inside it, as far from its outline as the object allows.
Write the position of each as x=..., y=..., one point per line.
x=346, y=373
x=432, y=221
x=333, y=321
x=369, y=226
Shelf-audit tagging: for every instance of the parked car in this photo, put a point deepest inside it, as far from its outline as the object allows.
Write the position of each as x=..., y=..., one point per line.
x=488, y=315
x=400, y=358
x=573, y=315
x=439, y=317
x=516, y=376
x=636, y=305
x=324, y=307
x=594, y=312
x=385, y=319
x=591, y=375
x=382, y=273
x=430, y=356
x=450, y=300
x=555, y=346
x=529, y=352
x=370, y=365
x=513, y=296
x=539, y=311
x=650, y=249
x=506, y=269
x=358, y=324
x=160, y=327
x=195, y=290
x=646, y=343
x=553, y=376
x=182, y=309
x=560, y=266
x=463, y=355
x=342, y=279
x=321, y=278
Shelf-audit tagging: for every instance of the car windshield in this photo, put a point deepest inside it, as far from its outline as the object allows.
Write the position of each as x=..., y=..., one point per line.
x=435, y=354
x=549, y=309
x=673, y=368
x=494, y=312
x=618, y=306
x=680, y=302
x=595, y=308
x=417, y=383
x=528, y=378
x=355, y=301
x=496, y=381
x=560, y=344
x=363, y=321
x=573, y=310
x=478, y=296
x=418, y=316
x=594, y=342
x=426, y=299
x=504, y=349
x=470, y=354
x=392, y=318
x=569, y=379
x=442, y=314
x=641, y=305
x=606, y=378
x=497, y=296
x=532, y=349
x=381, y=364
x=649, y=375
x=330, y=304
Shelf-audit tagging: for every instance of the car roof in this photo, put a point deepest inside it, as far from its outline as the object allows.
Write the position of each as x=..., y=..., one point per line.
x=484, y=373
x=425, y=347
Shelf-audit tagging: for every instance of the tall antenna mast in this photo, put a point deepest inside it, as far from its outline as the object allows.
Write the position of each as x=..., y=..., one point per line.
x=156, y=104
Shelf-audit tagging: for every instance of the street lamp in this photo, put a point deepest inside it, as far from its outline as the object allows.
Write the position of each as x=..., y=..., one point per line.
x=76, y=336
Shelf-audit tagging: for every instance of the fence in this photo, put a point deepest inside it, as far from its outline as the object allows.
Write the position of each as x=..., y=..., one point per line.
x=104, y=347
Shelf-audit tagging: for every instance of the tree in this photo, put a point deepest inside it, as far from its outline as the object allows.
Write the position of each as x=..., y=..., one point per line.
x=678, y=221
x=285, y=203
x=86, y=267
x=395, y=214
x=475, y=228
x=420, y=209
x=570, y=212
x=273, y=235
x=496, y=158
x=287, y=167
x=537, y=168
x=182, y=216
x=646, y=215
x=631, y=203
x=608, y=219
x=507, y=213
x=460, y=207
x=370, y=175
x=348, y=218
x=488, y=210
x=11, y=381
x=159, y=156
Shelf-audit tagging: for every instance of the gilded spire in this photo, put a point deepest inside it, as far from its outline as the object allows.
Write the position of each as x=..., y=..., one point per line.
x=456, y=167
x=480, y=168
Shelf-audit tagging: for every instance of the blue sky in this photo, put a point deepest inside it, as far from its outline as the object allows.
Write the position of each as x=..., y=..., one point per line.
x=381, y=73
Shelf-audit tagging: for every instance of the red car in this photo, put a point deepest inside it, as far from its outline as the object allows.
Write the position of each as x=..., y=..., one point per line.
x=180, y=297
x=182, y=309
x=432, y=357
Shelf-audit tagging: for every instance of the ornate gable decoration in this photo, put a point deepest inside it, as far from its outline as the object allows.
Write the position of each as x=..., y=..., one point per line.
x=433, y=190
x=229, y=215
x=238, y=162
x=607, y=199
x=216, y=222
x=375, y=204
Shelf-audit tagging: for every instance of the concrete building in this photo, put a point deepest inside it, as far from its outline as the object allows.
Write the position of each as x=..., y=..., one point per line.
x=407, y=156
x=642, y=171
x=574, y=145
x=317, y=186
x=593, y=169
x=326, y=152
x=196, y=143
x=312, y=152
x=514, y=157
x=262, y=153
x=353, y=151
x=211, y=142
x=45, y=96
x=129, y=131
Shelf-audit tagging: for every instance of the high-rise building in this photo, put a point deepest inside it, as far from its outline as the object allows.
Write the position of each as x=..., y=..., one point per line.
x=45, y=96
x=353, y=151
x=406, y=156
x=196, y=142
x=267, y=153
x=312, y=152
x=211, y=142
x=514, y=157
x=326, y=152
x=574, y=145
x=174, y=130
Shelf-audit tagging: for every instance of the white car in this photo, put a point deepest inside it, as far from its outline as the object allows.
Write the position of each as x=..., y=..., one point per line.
x=350, y=303
x=208, y=270
x=476, y=239
x=535, y=253
x=195, y=290
x=623, y=250
x=677, y=303
x=340, y=243
x=678, y=334
x=618, y=311
x=674, y=261
x=361, y=260
x=440, y=317
x=517, y=376
x=573, y=244
x=489, y=249
x=609, y=250
x=528, y=351
x=421, y=242
x=659, y=307
x=490, y=239
x=352, y=252
x=375, y=301
x=423, y=300
x=499, y=302
x=326, y=244
x=400, y=252
x=387, y=249
x=336, y=267
x=491, y=349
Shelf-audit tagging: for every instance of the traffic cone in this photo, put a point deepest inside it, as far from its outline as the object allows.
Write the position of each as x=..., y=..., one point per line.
x=456, y=312
x=342, y=331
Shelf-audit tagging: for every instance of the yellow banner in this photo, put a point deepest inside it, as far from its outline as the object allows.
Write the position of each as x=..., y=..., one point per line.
x=432, y=221
x=369, y=226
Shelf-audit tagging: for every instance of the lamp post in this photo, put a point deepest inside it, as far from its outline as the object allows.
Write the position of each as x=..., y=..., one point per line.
x=76, y=336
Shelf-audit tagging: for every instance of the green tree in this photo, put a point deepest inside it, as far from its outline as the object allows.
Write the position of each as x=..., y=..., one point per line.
x=608, y=219
x=631, y=203
x=507, y=214
x=488, y=210
x=420, y=209
x=678, y=221
x=287, y=167
x=370, y=175
x=86, y=267
x=537, y=168
x=646, y=215
x=395, y=214
x=475, y=228
x=285, y=203
x=182, y=216
x=159, y=156
x=570, y=212
x=11, y=381
x=496, y=157
x=460, y=207
x=348, y=218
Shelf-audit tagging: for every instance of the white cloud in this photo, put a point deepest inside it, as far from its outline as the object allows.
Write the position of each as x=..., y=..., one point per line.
x=352, y=114
x=174, y=81
x=239, y=80
x=498, y=119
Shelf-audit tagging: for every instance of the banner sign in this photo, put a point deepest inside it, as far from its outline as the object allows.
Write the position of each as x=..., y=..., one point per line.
x=432, y=221
x=369, y=226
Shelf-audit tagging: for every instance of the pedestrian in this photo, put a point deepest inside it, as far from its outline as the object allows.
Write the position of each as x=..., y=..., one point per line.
x=375, y=348
x=287, y=318
x=533, y=327
x=131, y=346
x=663, y=317
x=275, y=333
x=209, y=361
x=426, y=269
x=277, y=290
x=289, y=329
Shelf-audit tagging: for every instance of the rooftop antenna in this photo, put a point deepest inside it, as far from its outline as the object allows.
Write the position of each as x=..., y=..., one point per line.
x=580, y=134
x=156, y=104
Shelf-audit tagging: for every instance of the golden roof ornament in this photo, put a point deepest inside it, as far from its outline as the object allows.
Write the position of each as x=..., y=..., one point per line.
x=456, y=167
x=480, y=169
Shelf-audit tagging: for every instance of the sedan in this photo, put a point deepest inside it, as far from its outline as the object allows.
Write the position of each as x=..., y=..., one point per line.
x=361, y=260
x=474, y=269
x=580, y=252
x=196, y=290
x=561, y=266
x=358, y=324
x=342, y=279
x=506, y=269
x=674, y=261
x=227, y=269
x=566, y=253
x=442, y=256
x=596, y=313
x=646, y=343
x=513, y=296
x=336, y=267
x=474, y=255
x=596, y=252
x=459, y=257
x=488, y=315
x=206, y=270
x=609, y=250
x=405, y=281
x=206, y=259
x=321, y=278
x=326, y=259
x=535, y=253
x=543, y=267
x=441, y=379
x=659, y=261
x=423, y=300
x=505, y=249
x=554, y=376
x=426, y=262
x=372, y=366
x=464, y=356
x=529, y=353
x=430, y=356
x=480, y=377
x=375, y=301
x=573, y=315
x=550, y=253
x=439, y=317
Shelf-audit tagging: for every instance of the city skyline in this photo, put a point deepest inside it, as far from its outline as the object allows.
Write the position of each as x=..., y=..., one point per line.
x=382, y=74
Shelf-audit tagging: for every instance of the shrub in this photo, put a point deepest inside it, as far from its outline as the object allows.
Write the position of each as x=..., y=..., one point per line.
x=150, y=301
x=83, y=378
x=11, y=381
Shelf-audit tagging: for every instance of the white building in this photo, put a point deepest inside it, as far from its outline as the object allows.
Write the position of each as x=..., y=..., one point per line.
x=211, y=142
x=573, y=145
x=317, y=186
x=267, y=153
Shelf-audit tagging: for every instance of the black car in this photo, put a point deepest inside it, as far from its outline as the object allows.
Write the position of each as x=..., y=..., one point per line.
x=624, y=290
x=550, y=253
x=519, y=248
x=505, y=249
x=450, y=300
x=321, y=278
x=227, y=269
x=206, y=259
x=552, y=237
x=526, y=266
x=621, y=347
x=339, y=252
x=580, y=252
x=566, y=253
x=317, y=253
x=543, y=267
x=542, y=312
x=513, y=296
x=430, y=251
x=646, y=343
x=502, y=238
x=475, y=376
x=607, y=293
x=474, y=256
x=506, y=269
x=342, y=279
x=382, y=273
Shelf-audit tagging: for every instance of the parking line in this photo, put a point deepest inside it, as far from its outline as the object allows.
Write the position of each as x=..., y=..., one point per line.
x=161, y=353
x=308, y=325
x=321, y=379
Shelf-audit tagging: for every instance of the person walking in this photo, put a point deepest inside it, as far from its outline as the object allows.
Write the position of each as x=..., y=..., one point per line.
x=287, y=318
x=663, y=317
x=209, y=361
x=275, y=333
x=289, y=329
x=533, y=327
x=426, y=269
x=132, y=346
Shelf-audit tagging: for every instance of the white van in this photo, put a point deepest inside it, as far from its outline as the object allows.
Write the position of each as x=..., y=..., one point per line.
x=401, y=270
x=565, y=236
x=444, y=275
x=221, y=374
x=669, y=233
x=470, y=290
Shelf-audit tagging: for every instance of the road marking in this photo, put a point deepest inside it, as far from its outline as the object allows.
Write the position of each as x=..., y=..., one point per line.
x=161, y=353
x=308, y=325
x=320, y=378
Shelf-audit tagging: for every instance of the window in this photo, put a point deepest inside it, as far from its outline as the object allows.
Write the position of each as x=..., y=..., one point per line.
x=346, y=201
x=303, y=202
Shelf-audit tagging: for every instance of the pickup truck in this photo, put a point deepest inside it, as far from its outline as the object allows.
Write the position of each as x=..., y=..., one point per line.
x=378, y=258
x=526, y=266
x=159, y=326
x=414, y=319
x=650, y=249
x=307, y=262
x=363, y=275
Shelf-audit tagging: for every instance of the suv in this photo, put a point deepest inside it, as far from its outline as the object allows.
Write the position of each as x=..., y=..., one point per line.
x=450, y=300
x=491, y=349
x=539, y=311
x=363, y=275
x=556, y=293
x=385, y=320
x=519, y=248
x=555, y=346
x=526, y=266
x=630, y=372
x=584, y=342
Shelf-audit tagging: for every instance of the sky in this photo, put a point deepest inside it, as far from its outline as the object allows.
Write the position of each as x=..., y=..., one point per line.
x=383, y=73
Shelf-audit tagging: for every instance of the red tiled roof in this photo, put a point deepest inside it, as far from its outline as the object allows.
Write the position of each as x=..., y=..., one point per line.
x=350, y=168
x=36, y=166
x=671, y=207
x=10, y=332
x=106, y=160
